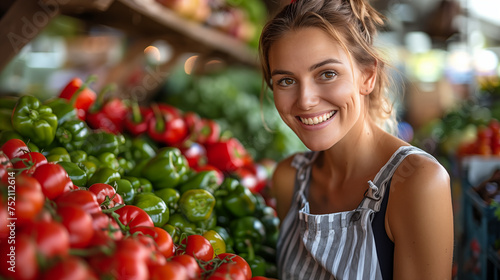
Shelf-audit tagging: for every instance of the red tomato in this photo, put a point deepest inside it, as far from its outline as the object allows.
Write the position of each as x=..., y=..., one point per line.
x=198, y=247
x=24, y=262
x=128, y=261
x=4, y=215
x=29, y=162
x=13, y=148
x=170, y=270
x=78, y=223
x=241, y=262
x=85, y=199
x=29, y=198
x=51, y=237
x=71, y=267
x=161, y=238
x=106, y=194
x=228, y=271
x=105, y=229
x=132, y=216
x=191, y=265
x=53, y=179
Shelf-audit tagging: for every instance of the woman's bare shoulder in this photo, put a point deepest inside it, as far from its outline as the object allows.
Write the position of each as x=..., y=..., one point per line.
x=283, y=182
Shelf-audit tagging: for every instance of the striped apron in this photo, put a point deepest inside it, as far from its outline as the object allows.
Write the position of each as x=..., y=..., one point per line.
x=338, y=245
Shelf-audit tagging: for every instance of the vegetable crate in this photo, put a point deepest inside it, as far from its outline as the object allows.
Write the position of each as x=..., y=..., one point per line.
x=481, y=228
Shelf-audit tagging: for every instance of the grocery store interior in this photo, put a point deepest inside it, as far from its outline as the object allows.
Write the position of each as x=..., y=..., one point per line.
x=201, y=56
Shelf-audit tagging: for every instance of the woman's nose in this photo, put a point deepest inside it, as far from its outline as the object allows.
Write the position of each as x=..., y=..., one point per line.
x=308, y=97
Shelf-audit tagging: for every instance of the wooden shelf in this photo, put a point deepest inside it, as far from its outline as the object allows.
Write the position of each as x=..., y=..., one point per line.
x=137, y=18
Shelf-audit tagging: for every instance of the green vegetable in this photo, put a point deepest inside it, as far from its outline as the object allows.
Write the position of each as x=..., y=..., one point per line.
x=58, y=154
x=166, y=169
x=156, y=208
x=197, y=205
x=179, y=221
x=248, y=234
x=34, y=121
x=171, y=198
x=101, y=142
x=240, y=201
x=206, y=180
x=76, y=174
x=104, y=175
x=109, y=160
x=62, y=109
x=78, y=156
x=124, y=188
x=72, y=134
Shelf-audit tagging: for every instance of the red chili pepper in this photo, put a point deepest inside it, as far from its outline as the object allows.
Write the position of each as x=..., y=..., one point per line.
x=80, y=95
x=167, y=126
x=116, y=110
x=227, y=155
x=209, y=132
x=137, y=119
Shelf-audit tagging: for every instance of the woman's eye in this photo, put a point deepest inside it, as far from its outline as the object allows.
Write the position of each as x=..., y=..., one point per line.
x=328, y=75
x=286, y=82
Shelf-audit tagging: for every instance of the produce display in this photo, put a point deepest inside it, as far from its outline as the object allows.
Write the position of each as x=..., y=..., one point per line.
x=96, y=187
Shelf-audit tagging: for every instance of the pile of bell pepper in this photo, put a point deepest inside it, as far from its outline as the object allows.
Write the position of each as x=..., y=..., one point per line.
x=143, y=177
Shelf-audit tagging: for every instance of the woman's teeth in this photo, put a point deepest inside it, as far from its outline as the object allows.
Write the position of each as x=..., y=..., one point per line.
x=317, y=119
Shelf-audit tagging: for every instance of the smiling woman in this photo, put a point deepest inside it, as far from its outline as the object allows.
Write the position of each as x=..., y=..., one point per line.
x=343, y=216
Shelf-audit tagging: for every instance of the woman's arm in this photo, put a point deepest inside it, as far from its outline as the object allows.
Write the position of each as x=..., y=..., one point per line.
x=282, y=186
x=420, y=220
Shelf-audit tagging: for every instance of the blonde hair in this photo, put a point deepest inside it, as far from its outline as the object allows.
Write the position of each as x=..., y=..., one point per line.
x=353, y=23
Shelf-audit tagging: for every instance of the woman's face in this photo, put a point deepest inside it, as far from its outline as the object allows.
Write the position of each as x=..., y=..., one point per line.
x=314, y=89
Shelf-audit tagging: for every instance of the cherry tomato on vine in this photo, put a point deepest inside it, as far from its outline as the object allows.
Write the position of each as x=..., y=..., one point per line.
x=161, y=238
x=5, y=167
x=170, y=270
x=241, y=262
x=78, y=223
x=83, y=198
x=198, y=247
x=53, y=179
x=105, y=228
x=191, y=265
x=29, y=198
x=28, y=162
x=106, y=194
x=13, y=148
x=132, y=216
x=228, y=271
x=71, y=267
x=51, y=237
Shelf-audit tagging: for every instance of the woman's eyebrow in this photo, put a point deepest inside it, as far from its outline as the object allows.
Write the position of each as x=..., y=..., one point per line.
x=324, y=62
x=281, y=72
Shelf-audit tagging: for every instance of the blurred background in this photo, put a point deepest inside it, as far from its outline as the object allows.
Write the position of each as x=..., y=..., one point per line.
x=201, y=56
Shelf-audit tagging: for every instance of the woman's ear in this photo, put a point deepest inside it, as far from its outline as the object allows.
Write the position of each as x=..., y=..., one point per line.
x=368, y=79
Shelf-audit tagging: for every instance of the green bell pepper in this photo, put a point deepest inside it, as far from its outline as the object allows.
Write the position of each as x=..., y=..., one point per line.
x=248, y=234
x=179, y=221
x=104, y=175
x=209, y=223
x=197, y=205
x=109, y=160
x=239, y=202
x=78, y=156
x=166, y=169
x=206, y=180
x=72, y=134
x=34, y=121
x=136, y=171
x=156, y=208
x=62, y=109
x=146, y=185
x=58, y=154
x=124, y=188
x=258, y=264
x=125, y=165
x=6, y=135
x=8, y=102
x=222, y=231
x=76, y=174
x=88, y=167
x=100, y=142
x=173, y=231
x=95, y=160
x=171, y=198
x=142, y=149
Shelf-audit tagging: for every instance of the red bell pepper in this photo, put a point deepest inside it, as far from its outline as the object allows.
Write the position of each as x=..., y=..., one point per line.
x=254, y=176
x=227, y=155
x=80, y=95
x=97, y=118
x=193, y=122
x=116, y=110
x=167, y=126
x=209, y=132
x=195, y=153
x=137, y=119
